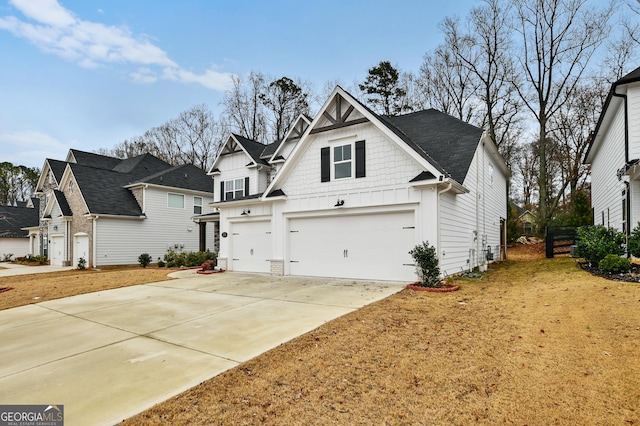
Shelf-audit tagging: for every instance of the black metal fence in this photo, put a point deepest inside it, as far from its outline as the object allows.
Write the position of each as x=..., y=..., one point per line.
x=559, y=239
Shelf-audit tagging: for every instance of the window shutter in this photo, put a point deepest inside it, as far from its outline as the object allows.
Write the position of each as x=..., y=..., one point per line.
x=360, y=160
x=222, y=190
x=246, y=186
x=325, y=164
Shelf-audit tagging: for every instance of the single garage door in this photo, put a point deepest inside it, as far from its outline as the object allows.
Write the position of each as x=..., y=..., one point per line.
x=251, y=246
x=372, y=246
x=56, y=250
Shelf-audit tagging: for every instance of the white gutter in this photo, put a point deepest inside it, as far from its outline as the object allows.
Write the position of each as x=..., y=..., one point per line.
x=94, y=249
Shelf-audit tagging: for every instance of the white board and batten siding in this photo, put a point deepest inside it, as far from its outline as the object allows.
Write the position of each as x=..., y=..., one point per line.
x=606, y=188
x=370, y=236
x=121, y=241
x=470, y=222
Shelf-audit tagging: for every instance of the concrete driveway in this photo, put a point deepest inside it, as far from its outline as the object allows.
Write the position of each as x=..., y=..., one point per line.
x=108, y=355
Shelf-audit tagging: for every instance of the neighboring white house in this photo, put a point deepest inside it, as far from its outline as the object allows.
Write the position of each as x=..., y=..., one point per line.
x=14, y=238
x=109, y=211
x=350, y=193
x=614, y=156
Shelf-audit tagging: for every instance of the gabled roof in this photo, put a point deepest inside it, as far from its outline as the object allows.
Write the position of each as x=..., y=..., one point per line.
x=62, y=203
x=186, y=176
x=13, y=219
x=257, y=152
x=447, y=141
x=141, y=165
x=441, y=144
x=92, y=159
x=632, y=77
x=57, y=168
x=104, y=191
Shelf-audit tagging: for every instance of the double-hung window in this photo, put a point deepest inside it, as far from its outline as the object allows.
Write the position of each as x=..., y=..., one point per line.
x=233, y=189
x=342, y=161
x=197, y=205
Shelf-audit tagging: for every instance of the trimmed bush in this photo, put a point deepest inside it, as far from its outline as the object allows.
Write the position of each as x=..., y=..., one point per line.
x=179, y=259
x=633, y=242
x=595, y=242
x=82, y=263
x=161, y=264
x=614, y=264
x=427, y=264
x=144, y=259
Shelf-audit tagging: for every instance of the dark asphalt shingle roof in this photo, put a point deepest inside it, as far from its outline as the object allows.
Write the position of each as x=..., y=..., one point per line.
x=57, y=167
x=62, y=203
x=13, y=219
x=104, y=191
x=186, y=176
x=94, y=160
x=446, y=142
x=253, y=148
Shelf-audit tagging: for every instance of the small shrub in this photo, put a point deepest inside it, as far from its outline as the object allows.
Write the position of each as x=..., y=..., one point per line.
x=144, y=259
x=82, y=263
x=595, y=242
x=427, y=264
x=161, y=264
x=7, y=257
x=633, y=242
x=614, y=264
x=208, y=265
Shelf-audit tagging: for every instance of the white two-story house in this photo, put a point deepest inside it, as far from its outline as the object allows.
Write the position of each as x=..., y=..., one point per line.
x=349, y=193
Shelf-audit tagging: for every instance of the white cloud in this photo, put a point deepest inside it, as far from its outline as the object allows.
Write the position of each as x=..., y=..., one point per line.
x=30, y=148
x=91, y=44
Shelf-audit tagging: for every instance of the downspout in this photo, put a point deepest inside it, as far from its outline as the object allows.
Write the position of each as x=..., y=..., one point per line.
x=442, y=191
x=626, y=159
x=94, y=249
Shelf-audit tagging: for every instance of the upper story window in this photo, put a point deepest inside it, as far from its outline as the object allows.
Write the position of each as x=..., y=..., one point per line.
x=234, y=189
x=197, y=205
x=342, y=163
x=175, y=201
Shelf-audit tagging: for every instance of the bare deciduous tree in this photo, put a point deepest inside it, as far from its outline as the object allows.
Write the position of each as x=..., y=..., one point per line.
x=558, y=39
x=243, y=108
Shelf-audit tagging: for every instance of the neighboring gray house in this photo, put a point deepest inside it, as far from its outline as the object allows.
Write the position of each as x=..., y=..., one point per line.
x=109, y=211
x=348, y=194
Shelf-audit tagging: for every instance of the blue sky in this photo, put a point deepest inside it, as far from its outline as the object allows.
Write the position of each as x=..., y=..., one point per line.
x=88, y=74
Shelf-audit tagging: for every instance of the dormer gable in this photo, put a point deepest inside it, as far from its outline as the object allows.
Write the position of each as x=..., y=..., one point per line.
x=290, y=139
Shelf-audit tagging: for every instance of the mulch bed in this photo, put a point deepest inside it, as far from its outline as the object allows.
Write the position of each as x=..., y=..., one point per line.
x=633, y=276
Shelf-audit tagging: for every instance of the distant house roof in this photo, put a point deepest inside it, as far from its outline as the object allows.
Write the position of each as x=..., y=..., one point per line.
x=13, y=219
x=92, y=159
x=186, y=176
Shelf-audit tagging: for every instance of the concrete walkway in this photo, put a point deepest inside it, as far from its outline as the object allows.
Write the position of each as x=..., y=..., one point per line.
x=15, y=269
x=108, y=355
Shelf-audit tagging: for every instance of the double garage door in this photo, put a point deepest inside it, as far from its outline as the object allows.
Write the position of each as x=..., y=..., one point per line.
x=366, y=246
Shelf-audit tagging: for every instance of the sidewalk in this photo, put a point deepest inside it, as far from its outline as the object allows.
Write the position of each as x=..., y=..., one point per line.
x=15, y=269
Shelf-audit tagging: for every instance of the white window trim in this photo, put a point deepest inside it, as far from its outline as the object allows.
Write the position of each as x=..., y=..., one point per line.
x=169, y=194
x=234, y=188
x=351, y=161
x=195, y=197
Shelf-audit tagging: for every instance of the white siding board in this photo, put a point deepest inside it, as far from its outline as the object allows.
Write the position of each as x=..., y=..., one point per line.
x=606, y=189
x=121, y=241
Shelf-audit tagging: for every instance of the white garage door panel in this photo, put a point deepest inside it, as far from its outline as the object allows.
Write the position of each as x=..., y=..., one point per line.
x=372, y=246
x=251, y=247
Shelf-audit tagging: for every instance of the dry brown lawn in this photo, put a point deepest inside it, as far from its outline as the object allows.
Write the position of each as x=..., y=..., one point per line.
x=34, y=288
x=535, y=342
